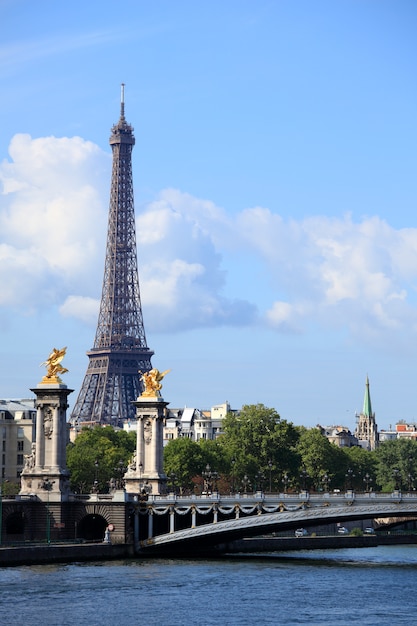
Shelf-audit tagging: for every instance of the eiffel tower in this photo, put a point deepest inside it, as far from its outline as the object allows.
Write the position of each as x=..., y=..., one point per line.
x=120, y=351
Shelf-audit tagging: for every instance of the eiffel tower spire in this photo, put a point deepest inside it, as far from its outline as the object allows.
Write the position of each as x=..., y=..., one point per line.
x=120, y=352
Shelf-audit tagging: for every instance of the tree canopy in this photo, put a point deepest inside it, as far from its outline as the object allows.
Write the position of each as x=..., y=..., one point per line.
x=396, y=464
x=257, y=442
x=256, y=450
x=97, y=455
x=183, y=460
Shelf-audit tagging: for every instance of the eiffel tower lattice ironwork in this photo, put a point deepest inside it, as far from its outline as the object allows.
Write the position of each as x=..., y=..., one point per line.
x=120, y=351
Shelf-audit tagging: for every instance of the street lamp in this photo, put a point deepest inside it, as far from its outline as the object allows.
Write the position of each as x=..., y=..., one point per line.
x=367, y=480
x=245, y=483
x=259, y=478
x=325, y=481
x=410, y=475
x=270, y=475
x=120, y=471
x=397, y=478
x=349, y=478
x=285, y=481
x=210, y=480
x=95, y=484
x=233, y=462
x=173, y=482
x=304, y=475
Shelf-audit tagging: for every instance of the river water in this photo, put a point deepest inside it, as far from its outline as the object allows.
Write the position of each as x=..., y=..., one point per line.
x=366, y=586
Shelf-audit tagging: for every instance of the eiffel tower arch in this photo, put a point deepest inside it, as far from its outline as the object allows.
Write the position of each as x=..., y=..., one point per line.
x=120, y=352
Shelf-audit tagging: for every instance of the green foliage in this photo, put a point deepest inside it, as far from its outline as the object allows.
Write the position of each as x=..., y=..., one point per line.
x=396, y=454
x=10, y=488
x=213, y=455
x=319, y=457
x=363, y=463
x=183, y=459
x=257, y=441
x=356, y=532
x=99, y=454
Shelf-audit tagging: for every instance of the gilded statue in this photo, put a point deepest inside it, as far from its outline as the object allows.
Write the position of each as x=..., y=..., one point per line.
x=152, y=382
x=54, y=367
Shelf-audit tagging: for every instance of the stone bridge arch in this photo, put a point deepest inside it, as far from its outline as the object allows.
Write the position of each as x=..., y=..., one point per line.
x=18, y=522
x=92, y=519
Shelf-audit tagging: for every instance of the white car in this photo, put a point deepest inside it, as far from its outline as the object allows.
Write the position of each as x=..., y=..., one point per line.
x=343, y=531
x=301, y=532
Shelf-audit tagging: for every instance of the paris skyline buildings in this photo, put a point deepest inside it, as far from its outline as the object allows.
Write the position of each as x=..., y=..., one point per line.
x=275, y=189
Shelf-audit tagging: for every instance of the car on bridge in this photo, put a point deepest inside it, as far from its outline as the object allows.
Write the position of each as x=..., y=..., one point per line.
x=369, y=531
x=343, y=531
x=301, y=532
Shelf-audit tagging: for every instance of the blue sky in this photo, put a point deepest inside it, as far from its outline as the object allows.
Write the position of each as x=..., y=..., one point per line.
x=275, y=193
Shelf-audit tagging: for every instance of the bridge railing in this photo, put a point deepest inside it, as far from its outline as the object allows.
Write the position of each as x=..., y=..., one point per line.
x=303, y=496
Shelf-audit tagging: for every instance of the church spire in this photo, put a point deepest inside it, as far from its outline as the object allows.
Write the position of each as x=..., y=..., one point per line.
x=367, y=407
x=366, y=429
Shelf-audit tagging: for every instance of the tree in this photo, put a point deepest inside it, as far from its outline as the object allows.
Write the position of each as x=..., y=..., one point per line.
x=183, y=460
x=257, y=441
x=396, y=464
x=97, y=455
x=320, y=459
x=363, y=464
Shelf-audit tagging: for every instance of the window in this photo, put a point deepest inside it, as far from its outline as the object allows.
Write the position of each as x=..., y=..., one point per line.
x=20, y=445
x=20, y=459
x=4, y=446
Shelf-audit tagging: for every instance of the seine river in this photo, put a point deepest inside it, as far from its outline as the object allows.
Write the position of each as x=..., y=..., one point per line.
x=368, y=586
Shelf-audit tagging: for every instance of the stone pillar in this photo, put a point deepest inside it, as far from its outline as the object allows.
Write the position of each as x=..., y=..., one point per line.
x=45, y=474
x=146, y=472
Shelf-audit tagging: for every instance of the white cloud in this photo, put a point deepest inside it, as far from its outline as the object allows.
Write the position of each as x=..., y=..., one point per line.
x=356, y=275
x=181, y=275
x=52, y=218
x=360, y=276
x=83, y=308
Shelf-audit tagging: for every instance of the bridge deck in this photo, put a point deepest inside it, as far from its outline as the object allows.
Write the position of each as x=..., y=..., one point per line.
x=197, y=521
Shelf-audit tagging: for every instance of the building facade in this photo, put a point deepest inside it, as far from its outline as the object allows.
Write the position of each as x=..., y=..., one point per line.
x=17, y=429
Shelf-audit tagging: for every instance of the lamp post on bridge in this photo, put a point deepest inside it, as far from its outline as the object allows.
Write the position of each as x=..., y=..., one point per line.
x=367, y=480
x=210, y=480
x=325, y=482
x=396, y=474
x=173, y=482
x=233, y=463
x=350, y=475
x=95, y=484
x=245, y=483
x=285, y=480
x=120, y=471
x=410, y=476
x=259, y=478
x=270, y=475
x=303, y=476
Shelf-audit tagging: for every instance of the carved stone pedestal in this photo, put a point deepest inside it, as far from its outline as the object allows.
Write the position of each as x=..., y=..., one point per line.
x=145, y=473
x=45, y=474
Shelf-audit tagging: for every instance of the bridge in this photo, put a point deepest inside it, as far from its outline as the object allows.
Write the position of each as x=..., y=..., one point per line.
x=183, y=525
